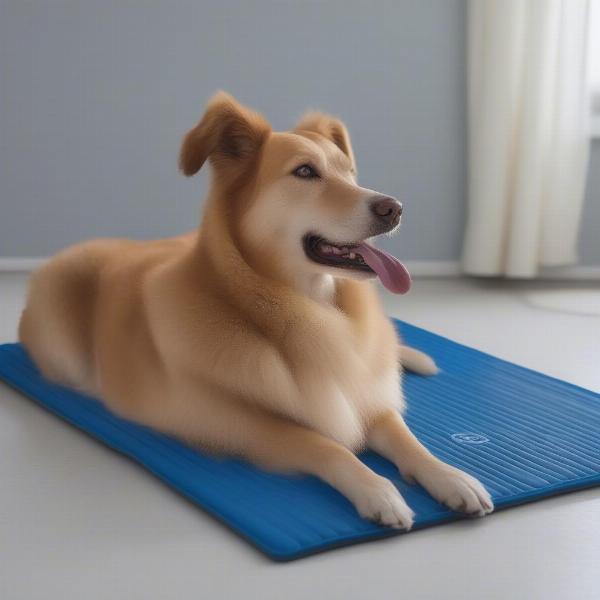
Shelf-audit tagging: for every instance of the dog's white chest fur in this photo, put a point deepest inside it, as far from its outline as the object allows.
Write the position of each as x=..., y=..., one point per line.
x=342, y=410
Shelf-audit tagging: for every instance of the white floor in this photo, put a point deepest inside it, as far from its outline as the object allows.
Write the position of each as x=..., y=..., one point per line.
x=77, y=520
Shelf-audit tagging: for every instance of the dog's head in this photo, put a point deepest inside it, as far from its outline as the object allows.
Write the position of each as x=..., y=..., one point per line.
x=295, y=201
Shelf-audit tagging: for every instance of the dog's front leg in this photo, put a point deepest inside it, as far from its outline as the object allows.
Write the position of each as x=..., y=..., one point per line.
x=282, y=445
x=391, y=437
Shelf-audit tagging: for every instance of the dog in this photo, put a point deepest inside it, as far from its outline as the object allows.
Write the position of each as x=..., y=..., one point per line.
x=260, y=335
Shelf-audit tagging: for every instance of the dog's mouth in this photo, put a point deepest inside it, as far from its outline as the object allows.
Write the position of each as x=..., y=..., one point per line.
x=343, y=256
x=361, y=257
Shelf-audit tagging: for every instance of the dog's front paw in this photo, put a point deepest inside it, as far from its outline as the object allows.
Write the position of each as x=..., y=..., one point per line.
x=381, y=502
x=455, y=488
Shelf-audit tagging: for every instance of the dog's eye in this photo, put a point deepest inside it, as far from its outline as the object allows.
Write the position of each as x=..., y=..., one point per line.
x=305, y=172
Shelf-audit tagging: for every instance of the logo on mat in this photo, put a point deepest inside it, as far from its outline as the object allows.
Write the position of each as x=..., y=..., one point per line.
x=470, y=438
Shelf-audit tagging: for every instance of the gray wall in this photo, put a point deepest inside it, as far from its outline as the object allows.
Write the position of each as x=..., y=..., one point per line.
x=95, y=96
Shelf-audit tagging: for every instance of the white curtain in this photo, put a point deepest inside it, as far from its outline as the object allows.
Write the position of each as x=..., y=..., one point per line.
x=528, y=108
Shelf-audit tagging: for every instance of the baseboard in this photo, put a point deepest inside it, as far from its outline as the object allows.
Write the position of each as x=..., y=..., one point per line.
x=417, y=268
x=581, y=272
x=452, y=268
x=11, y=264
x=433, y=268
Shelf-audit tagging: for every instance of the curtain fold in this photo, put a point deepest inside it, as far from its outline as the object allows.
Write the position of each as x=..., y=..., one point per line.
x=528, y=107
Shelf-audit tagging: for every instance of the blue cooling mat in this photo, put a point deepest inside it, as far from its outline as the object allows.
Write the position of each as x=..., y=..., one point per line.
x=523, y=434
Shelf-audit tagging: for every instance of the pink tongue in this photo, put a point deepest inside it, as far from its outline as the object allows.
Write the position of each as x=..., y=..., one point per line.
x=390, y=270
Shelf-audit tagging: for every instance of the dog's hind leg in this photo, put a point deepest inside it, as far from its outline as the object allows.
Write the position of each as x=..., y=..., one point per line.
x=417, y=361
x=56, y=325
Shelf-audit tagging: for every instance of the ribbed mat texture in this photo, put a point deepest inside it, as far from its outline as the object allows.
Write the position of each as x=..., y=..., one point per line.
x=523, y=434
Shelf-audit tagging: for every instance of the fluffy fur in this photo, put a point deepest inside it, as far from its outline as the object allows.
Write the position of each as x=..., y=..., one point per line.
x=231, y=338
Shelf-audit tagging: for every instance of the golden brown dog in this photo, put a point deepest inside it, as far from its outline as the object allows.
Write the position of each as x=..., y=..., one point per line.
x=259, y=335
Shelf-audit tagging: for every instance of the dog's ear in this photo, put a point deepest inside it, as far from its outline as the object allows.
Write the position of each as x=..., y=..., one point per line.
x=331, y=128
x=228, y=132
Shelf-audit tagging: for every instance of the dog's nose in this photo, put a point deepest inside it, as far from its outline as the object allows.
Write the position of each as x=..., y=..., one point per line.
x=386, y=209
